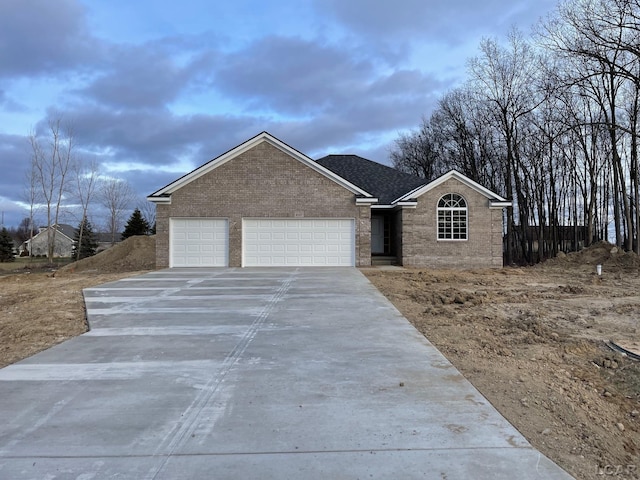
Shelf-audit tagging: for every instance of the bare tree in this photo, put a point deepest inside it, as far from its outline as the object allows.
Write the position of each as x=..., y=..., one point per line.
x=466, y=137
x=115, y=195
x=32, y=196
x=416, y=153
x=553, y=125
x=86, y=179
x=506, y=77
x=148, y=211
x=50, y=163
x=599, y=39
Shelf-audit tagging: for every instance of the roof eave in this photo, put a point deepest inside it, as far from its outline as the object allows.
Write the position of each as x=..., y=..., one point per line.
x=499, y=205
x=366, y=200
x=166, y=199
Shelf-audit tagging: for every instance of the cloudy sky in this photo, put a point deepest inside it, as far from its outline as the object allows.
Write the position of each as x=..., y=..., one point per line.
x=154, y=88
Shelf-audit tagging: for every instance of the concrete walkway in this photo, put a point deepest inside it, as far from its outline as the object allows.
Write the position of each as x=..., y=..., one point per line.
x=251, y=374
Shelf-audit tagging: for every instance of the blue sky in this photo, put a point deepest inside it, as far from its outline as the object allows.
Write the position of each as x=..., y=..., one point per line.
x=155, y=88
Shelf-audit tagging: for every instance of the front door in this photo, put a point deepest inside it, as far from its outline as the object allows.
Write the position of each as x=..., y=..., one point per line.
x=377, y=234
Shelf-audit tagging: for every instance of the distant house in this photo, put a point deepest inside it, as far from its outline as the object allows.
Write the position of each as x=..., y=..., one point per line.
x=65, y=240
x=37, y=246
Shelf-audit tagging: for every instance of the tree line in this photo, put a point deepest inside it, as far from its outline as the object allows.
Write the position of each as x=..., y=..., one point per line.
x=550, y=121
x=60, y=183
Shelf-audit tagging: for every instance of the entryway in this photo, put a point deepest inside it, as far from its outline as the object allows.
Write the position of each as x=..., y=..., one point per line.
x=382, y=241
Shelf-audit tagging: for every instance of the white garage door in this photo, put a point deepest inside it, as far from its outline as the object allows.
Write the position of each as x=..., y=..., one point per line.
x=298, y=242
x=199, y=242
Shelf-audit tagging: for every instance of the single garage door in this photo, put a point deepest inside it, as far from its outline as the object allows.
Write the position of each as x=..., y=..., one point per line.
x=298, y=242
x=199, y=242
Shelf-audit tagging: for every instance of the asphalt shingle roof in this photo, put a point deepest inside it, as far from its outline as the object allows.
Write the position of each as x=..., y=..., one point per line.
x=385, y=183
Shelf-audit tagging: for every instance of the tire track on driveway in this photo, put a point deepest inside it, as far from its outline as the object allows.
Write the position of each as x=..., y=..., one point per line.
x=191, y=416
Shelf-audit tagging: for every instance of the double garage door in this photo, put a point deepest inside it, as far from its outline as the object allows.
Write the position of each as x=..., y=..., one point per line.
x=204, y=242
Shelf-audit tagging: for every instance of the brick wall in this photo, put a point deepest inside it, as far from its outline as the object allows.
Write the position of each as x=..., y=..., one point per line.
x=421, y=247
x=262, y=182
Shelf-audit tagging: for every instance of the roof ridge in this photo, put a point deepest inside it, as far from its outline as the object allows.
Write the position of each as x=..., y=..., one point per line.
x=377, y=164
x=385, y=182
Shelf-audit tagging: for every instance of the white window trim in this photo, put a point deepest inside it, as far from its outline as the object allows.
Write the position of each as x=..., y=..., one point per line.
x=464, y=209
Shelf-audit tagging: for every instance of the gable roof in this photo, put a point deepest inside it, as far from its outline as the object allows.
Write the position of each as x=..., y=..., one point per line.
x=164, y=194
x=62, y=228
x=494, y=199
x=385, y=183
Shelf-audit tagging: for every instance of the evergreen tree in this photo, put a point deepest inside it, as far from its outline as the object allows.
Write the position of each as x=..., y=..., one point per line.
x=88, y=244
x=136, y=225
x=6, y=246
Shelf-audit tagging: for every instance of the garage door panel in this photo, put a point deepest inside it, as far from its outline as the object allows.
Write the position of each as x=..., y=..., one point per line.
x=201, y=242
x=298, y=242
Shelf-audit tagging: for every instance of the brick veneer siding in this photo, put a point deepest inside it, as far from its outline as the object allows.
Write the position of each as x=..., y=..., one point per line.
x=420, y=244
x=262, y=182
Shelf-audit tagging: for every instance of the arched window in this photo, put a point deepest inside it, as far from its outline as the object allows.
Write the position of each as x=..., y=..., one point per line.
x=452, y=217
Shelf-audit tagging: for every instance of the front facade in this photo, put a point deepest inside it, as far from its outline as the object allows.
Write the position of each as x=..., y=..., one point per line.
x=264, y=203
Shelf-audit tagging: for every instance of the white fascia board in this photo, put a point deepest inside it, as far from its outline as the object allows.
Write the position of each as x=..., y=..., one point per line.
x=366, y=201
x=407, y=204
x=166, y=200
x=243, y=147
x=382, y=207
x=500, y=204
x=411, y=194
x=461, y=178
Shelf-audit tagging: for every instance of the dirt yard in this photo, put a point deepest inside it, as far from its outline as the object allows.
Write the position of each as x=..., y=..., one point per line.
x=532, y=340
x=40, y=307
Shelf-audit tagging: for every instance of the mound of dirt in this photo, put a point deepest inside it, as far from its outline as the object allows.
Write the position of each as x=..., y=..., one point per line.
x=600, y=253
x=131, y=255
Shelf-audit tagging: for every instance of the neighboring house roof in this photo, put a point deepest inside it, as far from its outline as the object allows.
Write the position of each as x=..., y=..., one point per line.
x=164, y=194
x=63, y=228
x=102, y=237
x=385, y=183
x=67, y=230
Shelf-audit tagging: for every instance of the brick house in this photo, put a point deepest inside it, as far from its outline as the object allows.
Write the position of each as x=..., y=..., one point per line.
x=263, y=203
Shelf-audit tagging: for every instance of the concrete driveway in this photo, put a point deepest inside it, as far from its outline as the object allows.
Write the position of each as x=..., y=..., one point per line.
x=251, y=374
